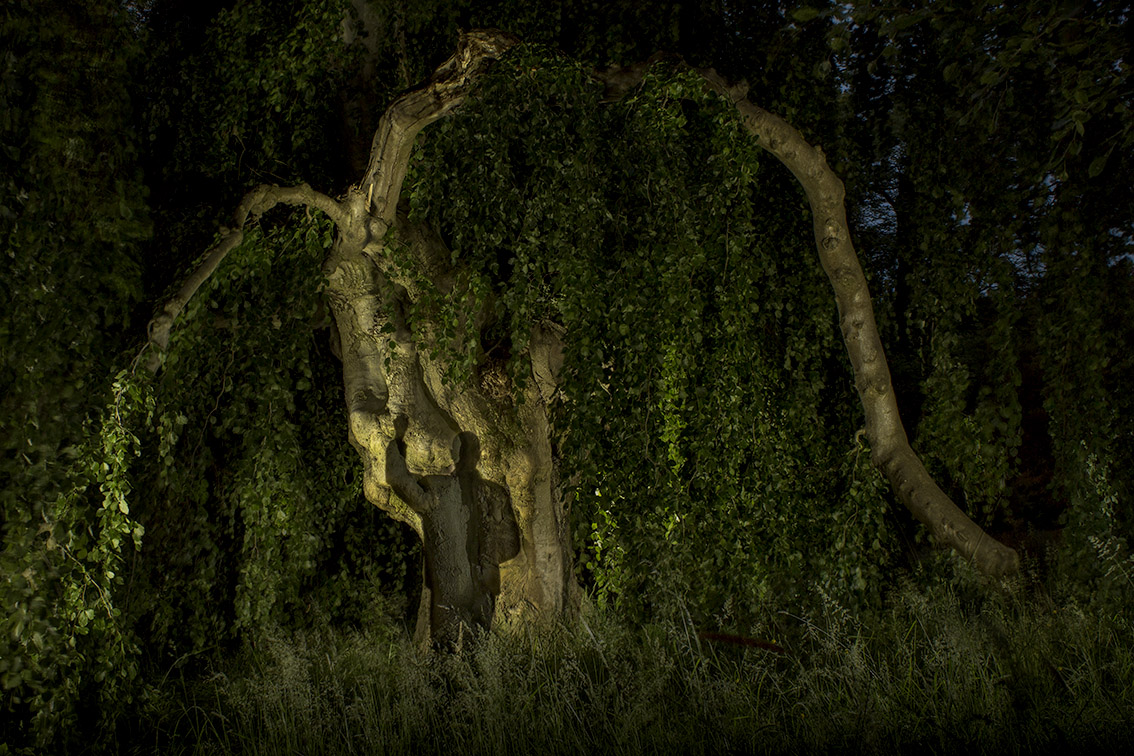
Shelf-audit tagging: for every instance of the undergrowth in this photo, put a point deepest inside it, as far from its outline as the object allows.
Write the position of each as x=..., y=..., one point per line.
x=939, y=670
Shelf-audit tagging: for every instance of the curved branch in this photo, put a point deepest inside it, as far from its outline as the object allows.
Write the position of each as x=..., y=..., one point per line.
x=254, y=204
x=413, y=111
x=890, y=448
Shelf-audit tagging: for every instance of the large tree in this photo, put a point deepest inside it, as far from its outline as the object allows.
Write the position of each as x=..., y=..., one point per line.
x=578, y=317
x=498, y=525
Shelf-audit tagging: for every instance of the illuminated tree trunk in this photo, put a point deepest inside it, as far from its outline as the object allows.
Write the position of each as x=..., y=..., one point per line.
x=495, y=534
x=496, y=539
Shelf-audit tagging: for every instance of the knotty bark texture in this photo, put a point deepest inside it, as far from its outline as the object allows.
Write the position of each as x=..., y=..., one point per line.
x=467, y=467
x=494, y=531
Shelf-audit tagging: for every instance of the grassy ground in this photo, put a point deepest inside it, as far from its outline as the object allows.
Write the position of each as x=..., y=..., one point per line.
x=933, y=673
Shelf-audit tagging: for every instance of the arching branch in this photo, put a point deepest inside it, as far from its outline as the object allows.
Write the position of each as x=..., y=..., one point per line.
x=890, y=447
x=255, y=203
x=413, y=111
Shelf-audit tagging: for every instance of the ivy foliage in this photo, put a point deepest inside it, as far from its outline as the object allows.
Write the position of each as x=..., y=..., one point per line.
x=70, y=657
x=236, y=95
x=250, y=98
x=72, y=215
x=254, y=511
x=253, y=497
x=703, y=382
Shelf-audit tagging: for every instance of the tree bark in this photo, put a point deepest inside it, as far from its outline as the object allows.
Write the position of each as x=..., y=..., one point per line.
x=469, y=531
x=494, y=536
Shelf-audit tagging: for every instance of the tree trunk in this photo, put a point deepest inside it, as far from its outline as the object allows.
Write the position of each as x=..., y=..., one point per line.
x=494, y=530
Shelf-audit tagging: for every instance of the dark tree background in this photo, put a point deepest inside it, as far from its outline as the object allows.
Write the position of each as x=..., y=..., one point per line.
x=705, y=438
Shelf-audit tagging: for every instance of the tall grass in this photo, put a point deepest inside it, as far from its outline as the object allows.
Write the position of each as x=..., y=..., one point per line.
x=935, y=672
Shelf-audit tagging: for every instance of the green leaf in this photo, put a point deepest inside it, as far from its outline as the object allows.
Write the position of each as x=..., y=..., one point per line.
x=803, y=15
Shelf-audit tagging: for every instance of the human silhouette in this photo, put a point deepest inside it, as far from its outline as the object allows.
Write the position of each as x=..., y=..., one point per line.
x=468, y=529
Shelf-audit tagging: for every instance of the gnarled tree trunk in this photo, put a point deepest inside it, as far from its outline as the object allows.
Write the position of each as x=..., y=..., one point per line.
x=500, y=527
